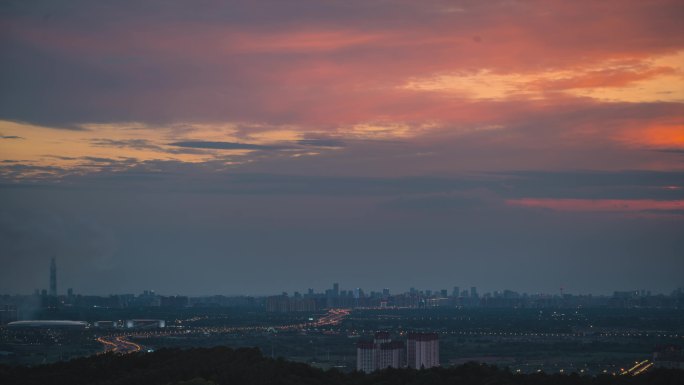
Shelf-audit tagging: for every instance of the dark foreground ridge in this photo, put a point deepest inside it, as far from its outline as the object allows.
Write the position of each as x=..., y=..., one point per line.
x=221, y=365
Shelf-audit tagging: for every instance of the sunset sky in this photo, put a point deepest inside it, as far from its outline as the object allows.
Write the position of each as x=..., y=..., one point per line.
x=251, y=147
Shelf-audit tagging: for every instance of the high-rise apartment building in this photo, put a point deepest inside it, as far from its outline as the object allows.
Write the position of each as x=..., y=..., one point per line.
x=379, y=354
x=422, y=350
x=390, y=355
x=365, y=356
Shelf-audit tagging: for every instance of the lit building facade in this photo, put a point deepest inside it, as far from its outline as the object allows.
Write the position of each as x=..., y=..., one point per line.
x=390, y=355
x=422, y=350
x=365, y=356
x=379, y=354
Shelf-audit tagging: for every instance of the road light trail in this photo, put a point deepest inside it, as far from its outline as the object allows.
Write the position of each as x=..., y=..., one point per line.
x=638, y=368
x=643, y=369
x=108, y=345
x=119, y=343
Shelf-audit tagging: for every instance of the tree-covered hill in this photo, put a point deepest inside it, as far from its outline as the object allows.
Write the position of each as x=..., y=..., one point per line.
x=223, y=365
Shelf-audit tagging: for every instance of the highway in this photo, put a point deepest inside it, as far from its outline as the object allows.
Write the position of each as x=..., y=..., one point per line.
x=118, y=343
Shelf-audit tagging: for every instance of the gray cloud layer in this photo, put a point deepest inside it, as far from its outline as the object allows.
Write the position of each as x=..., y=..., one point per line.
x=376, y=186
x=260, y=233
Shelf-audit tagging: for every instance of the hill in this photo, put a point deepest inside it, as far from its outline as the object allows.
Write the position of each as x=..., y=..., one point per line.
x=222, y=365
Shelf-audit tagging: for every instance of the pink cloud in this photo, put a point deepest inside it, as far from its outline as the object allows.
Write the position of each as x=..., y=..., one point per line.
x=599, y=205
x=346, y=66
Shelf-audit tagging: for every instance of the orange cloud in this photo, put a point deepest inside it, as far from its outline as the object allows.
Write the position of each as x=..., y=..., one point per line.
x=581, y=83
x=604, y=78
x=658, y=134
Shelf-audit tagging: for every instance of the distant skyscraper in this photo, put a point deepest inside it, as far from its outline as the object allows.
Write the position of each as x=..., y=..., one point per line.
x=53, y=278
x=422, y=350
x=473, y=292
x=336, y=289
x=456, y=292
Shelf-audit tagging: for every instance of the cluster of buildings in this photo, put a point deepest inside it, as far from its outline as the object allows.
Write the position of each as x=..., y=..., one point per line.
x=336, y=298
x=420, y=351
x=284, y=303
x=146, y=299
x=470, y=297
x=11, y=309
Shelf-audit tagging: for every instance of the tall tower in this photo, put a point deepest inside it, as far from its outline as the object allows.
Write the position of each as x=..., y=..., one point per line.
x=53, y=278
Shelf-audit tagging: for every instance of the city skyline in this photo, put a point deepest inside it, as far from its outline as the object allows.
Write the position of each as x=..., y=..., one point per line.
x=253, y=147
x=335, y=290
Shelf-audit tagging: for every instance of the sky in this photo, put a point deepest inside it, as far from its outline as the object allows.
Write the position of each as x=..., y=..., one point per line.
x=254, y=147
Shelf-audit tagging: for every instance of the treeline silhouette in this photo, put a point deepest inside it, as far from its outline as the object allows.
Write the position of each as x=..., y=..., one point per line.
x=222, y=365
